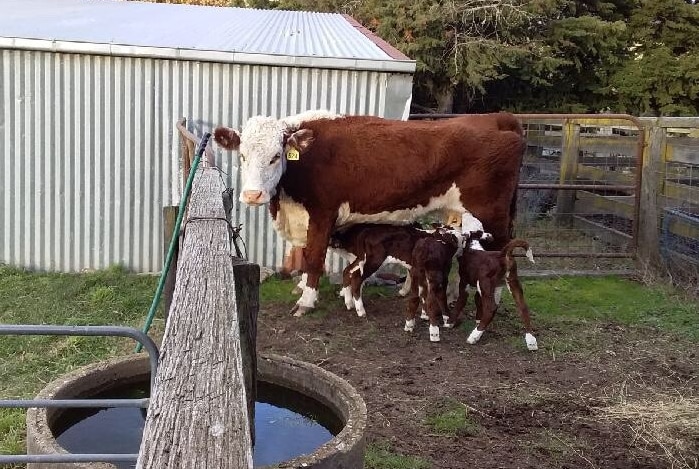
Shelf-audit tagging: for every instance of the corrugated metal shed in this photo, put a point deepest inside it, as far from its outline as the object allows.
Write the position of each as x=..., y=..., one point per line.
x=89, y=154
x=239, y=35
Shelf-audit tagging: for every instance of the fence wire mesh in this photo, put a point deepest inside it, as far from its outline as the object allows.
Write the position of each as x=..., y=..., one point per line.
x=588, y=228
x=679, y=201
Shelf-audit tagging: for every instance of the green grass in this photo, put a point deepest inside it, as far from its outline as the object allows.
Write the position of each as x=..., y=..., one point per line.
x=452, y=419
x=380, y=456
x=613, y=299
x=27, y=363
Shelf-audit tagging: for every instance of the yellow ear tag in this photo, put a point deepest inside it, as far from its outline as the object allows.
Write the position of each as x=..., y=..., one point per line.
x=292, y=154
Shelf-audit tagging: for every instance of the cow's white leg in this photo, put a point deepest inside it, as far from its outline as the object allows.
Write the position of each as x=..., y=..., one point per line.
x=434, y=333
x=405, y=289
x=306, y=302
x=447, y=324
x=423, y=313
x=530, y=340
x=301, y=285
x=498, y=295
x=475, y=336
x=359, y=304
x=346, y=294
x=409, y=325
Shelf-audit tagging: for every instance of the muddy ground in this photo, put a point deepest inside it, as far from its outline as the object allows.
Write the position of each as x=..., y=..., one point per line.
x=525, y=409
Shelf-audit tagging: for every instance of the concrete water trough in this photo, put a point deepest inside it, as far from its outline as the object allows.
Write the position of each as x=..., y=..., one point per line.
x=344, y=450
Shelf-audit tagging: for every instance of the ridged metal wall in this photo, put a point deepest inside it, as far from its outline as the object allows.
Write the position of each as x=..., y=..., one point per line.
x=89, y=154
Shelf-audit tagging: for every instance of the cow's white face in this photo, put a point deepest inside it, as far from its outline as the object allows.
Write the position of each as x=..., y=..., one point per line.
x=263, y=145
x=261, y=154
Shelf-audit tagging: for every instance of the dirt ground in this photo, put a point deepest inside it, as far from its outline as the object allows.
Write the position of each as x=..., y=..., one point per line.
x=528, y=409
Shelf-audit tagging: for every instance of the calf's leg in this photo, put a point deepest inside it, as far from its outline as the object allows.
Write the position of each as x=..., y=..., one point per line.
x=522, y=308
x=487, y=307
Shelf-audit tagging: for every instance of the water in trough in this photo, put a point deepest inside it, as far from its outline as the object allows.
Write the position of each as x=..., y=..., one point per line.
x=287, y=424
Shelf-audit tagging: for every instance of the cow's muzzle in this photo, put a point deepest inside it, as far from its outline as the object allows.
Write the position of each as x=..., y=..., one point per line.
x=254, y=197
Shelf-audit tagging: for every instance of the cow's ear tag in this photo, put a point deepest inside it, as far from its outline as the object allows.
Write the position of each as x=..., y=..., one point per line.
x=292, y=154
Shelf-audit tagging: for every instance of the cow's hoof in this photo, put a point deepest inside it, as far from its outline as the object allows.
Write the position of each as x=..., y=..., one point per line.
x=531, y=341
x=474, y=337
x=448, y=325
x=434, y=333
x=424, y=316
x=409, y=325
x=298, y=310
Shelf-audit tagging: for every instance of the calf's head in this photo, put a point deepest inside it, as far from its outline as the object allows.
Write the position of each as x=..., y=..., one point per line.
x=264, y=146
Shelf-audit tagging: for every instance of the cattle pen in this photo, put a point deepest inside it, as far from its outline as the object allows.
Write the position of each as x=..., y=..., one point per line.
x=602, y=194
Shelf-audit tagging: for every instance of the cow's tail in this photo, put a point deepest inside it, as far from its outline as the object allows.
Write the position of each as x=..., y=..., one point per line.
x=506, y=252
x=508, y=122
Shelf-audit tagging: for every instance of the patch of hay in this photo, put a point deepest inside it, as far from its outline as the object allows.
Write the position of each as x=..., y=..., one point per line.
x=668, y=423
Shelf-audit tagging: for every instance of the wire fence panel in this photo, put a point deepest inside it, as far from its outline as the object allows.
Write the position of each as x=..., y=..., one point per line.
x=577, y=197
x=678, y=217
x=577, y=203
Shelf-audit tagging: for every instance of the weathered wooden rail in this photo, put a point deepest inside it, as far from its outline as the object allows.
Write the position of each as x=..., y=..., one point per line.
x=201, y=413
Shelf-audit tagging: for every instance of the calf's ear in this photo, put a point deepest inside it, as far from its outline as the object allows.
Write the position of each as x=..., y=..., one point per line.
x=301, y=140
x=227, y=138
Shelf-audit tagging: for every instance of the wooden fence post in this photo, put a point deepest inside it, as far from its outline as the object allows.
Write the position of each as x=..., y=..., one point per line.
x=198, y=414
x=653, y=178
x=247, y=298
x=570, y=149
x=169, y=219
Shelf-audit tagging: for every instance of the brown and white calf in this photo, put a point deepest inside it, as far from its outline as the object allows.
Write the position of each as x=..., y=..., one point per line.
x=432, y=259
x=372, y=244
x=486, y=270
x=320, y=172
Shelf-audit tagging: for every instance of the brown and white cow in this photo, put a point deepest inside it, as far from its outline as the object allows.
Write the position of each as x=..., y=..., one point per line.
x=320, y=171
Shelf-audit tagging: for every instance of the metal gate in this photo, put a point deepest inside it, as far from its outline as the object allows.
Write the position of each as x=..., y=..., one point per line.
x=578, y=200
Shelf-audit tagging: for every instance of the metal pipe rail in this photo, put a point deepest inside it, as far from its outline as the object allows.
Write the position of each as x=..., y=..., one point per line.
x=103, y=331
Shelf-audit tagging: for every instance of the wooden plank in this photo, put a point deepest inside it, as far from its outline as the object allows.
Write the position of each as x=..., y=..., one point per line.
x=591, y=143
x=597, y=174
x=683, y=192
x=682, y=225
x=590, y=203
x=686, y=122
x=603, y=233
x=198, y=414
x=569, y=167
x=683, y=150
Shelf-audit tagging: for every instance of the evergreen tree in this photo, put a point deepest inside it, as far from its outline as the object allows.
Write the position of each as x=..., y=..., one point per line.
x=662, y=75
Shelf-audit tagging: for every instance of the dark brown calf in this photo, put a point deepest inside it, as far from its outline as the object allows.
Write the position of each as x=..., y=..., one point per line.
x=432, y=259
x=486, y=270
x=372, y=244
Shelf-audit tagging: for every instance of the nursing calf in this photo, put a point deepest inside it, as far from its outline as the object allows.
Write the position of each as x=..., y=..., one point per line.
x=373, y=244
x=486, y=270
x=432, y=259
